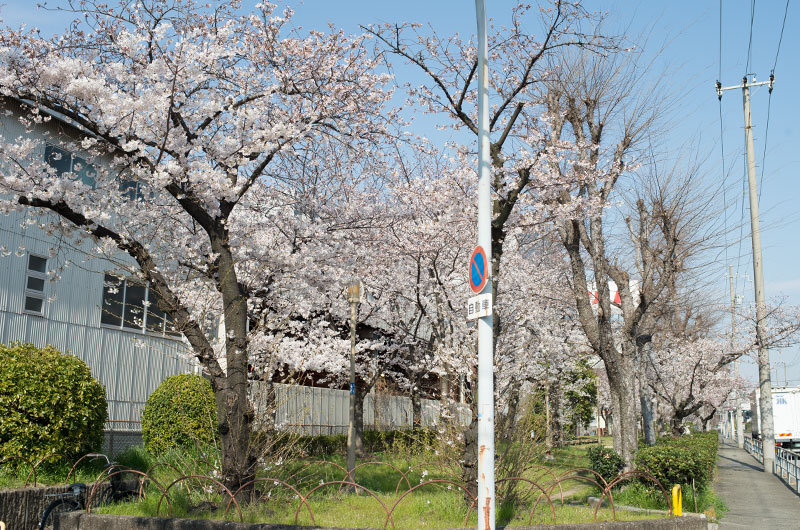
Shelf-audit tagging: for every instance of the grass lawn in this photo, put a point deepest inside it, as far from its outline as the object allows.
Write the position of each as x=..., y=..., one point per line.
x=431, y=506
x=439, y=505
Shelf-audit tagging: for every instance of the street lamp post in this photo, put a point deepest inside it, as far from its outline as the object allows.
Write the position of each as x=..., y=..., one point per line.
x=354, y=298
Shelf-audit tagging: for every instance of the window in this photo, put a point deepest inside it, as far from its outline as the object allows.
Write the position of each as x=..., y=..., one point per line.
x=131, y=190
x=65, y=162
x=34, y=284
x=130, y=304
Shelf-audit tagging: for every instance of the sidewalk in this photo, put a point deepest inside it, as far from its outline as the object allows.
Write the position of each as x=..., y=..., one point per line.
x=755, y=499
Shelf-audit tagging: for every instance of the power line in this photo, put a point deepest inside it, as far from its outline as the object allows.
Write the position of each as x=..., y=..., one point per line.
x=719, y=76
x=769, y=102
x=764, y=155
x=780, y=39
x=750, y=42
x=722, y=143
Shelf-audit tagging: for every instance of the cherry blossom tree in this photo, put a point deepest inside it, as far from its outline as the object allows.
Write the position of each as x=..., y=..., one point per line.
x=194, y=119
x=517, y=150
x=604, y=112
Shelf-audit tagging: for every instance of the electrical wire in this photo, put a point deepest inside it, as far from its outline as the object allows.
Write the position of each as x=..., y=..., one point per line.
x=750, y=41
x=769, y=103
x=741, y=218
x=722, y=144
x=764, y=155
x=719, y=75
x=780, y=39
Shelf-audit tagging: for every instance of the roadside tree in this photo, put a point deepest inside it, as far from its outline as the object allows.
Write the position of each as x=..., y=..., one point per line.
x=189, y=115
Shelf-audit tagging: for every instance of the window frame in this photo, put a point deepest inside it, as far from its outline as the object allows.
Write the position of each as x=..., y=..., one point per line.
x=144, y=328
x=34, y=293
x=79, y=175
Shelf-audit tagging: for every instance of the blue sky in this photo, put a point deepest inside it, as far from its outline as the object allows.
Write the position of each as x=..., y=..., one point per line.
x=690, y=33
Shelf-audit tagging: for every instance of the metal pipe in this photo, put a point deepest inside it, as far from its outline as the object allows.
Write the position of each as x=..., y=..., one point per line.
x=353, y=297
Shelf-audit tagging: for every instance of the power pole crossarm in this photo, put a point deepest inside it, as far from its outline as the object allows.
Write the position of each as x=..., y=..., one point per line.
x=745, y=84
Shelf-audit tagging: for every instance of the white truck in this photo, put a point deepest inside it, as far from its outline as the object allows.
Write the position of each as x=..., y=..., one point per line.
x=785, y=413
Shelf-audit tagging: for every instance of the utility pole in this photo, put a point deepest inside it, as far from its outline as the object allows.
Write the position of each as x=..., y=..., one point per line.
x=764, y=382
x=738, y=399
x=354, y=298
x=486, y=486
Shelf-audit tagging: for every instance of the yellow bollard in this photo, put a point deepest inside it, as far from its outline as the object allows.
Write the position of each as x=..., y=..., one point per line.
x=677, y=500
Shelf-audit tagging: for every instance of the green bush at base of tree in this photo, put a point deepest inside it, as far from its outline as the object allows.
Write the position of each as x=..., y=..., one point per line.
x=181, y=412
x=680, y=460
x=605, y=461
x=49, y=403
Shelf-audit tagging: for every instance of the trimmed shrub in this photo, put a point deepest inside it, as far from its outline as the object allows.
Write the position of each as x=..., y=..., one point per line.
x=681, y=459
x=49, y=403
x=605, y=461
x=181, y=412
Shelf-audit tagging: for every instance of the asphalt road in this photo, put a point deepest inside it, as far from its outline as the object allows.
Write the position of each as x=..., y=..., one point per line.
x=756, y=499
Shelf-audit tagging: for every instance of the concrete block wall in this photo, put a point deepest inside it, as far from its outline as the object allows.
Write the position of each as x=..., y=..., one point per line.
x=21, y=508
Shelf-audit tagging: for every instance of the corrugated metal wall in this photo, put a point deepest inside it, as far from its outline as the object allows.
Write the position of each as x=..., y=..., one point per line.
x=130, y=365
x=315, y=410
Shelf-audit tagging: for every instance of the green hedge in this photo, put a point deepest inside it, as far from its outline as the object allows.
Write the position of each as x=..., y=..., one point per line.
x=374, y=441
x=181, y=412
x=50, y=403
x=605, y=461
x=681, y=459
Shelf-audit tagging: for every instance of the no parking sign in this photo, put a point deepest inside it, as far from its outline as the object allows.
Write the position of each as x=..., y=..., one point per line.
x=478, y=270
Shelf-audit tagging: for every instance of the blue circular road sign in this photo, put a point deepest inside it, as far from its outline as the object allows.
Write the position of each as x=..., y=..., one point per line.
x=478, y=270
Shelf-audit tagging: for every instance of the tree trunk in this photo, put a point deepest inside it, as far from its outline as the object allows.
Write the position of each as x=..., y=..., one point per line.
x=557, y=434
x=234, y=411
x=624, y=417
x=358, y=419
x=676, y=425
x=469, y=463
x=233, y=414
x=469, y=457
x=509, y=421
x=646, y=403
x=548, y=417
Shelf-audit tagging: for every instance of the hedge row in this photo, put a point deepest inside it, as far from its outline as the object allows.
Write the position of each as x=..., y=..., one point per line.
x=679, y=460
x=374, y=441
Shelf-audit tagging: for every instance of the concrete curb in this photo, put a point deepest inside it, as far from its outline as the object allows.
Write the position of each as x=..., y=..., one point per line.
x=84, y=521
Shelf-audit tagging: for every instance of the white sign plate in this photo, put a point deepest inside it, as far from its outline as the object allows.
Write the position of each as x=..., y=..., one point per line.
x=479, y=306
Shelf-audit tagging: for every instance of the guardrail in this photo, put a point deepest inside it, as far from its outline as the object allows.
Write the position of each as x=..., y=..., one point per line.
x=754, y=447
x=787, y=466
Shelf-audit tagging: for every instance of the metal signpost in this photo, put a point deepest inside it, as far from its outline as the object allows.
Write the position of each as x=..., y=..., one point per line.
x=485, y=337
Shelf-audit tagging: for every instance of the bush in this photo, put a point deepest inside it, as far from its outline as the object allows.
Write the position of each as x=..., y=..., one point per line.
x=605, y=461
x=50, y=404
x=181, y=412
x=680, y=460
